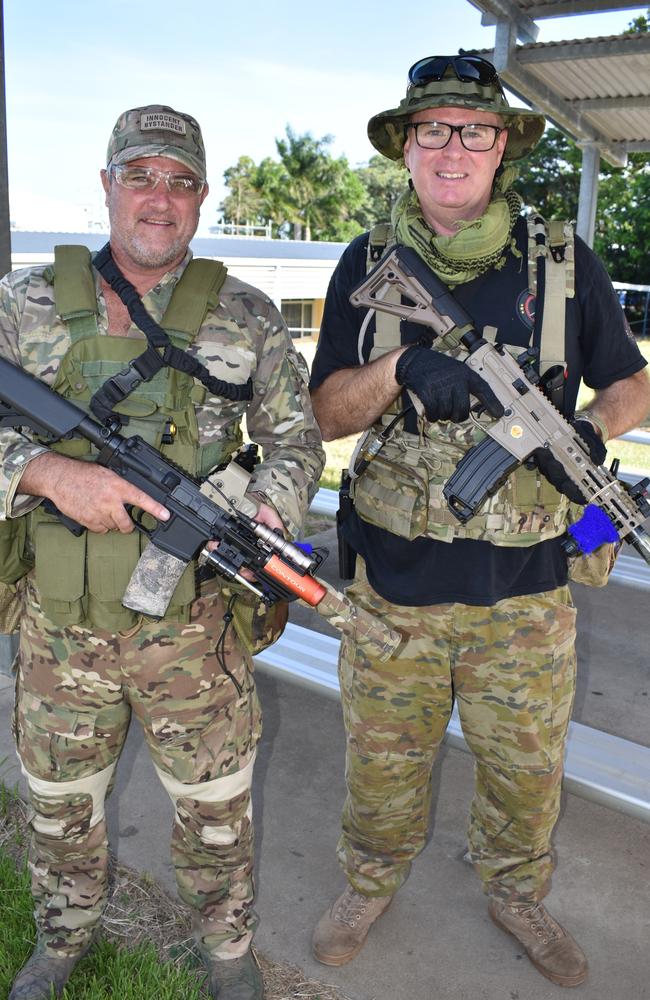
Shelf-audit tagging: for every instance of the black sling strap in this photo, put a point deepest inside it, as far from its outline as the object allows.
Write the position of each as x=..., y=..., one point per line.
x=159, y=354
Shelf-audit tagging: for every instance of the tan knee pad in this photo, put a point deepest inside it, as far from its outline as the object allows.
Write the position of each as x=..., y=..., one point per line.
x=68, y=808
x=211, y=793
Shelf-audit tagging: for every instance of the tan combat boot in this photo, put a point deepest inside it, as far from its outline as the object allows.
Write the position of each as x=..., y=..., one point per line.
x=550, y=948
x=342, y=930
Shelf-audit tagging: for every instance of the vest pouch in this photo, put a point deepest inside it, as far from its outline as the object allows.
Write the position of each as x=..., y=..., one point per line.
x=594, y=569
x=14, y=561
x=533, y=510
x=111, y=561
x=60, y=570
x=14, y=565
x=392, y=496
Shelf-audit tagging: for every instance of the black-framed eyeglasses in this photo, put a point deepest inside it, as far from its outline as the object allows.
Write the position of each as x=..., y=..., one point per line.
x=469, y=69
x=476, y=137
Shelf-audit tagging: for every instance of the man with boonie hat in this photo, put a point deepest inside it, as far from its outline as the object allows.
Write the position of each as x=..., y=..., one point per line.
x=206, y=351
x=484, y=606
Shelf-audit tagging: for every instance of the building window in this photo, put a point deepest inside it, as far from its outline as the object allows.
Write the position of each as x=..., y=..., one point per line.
x=298, y=315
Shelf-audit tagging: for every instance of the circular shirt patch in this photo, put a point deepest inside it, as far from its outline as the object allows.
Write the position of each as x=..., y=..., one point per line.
x=526, y=308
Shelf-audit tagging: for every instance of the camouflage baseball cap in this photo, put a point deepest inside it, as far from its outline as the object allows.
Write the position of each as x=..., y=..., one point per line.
x=455, y=82
x=156, y=130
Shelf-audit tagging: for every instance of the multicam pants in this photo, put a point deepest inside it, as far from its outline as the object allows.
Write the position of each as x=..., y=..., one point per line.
x=511, y=670
x=76, y=691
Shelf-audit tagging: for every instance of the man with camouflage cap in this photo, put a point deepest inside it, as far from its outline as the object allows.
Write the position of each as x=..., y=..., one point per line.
x=485, y=607
x=86, y=662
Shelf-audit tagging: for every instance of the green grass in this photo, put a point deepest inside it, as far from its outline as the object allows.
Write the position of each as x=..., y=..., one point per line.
x=106, y=973
x=110, y=970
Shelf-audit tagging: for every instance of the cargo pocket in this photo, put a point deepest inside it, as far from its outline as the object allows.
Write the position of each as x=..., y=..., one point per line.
x=201, y=744
x=52, y=740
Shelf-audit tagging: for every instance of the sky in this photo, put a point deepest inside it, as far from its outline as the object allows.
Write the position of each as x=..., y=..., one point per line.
x=245, y=70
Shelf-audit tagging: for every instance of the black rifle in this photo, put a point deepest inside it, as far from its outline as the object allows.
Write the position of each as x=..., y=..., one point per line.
x=199, y=513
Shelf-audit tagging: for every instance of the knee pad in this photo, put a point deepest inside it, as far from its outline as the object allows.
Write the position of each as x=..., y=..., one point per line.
x=68, y=809
x=210, y=808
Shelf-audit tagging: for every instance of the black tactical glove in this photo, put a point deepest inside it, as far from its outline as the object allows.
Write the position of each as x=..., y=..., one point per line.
x=555, y=471
x=443, y=385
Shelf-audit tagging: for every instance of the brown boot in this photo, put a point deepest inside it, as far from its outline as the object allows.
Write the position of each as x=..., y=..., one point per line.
x=550, y=948
x=342, y=930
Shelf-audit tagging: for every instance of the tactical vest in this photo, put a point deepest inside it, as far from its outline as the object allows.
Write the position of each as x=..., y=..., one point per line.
x=81, y=580
x=401, y=490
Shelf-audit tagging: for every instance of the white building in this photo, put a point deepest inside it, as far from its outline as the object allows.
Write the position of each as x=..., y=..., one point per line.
x=294, y=274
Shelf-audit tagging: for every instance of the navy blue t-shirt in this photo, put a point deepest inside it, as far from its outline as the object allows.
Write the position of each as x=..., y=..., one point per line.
x=599, y=349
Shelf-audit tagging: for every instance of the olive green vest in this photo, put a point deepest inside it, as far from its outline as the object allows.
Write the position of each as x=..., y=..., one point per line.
x=402, y=487
x=81, y=580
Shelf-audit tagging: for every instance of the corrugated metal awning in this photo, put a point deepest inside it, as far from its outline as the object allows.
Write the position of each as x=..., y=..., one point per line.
x=595, y=89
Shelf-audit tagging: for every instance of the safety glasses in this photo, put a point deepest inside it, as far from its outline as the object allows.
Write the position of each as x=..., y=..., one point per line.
x=468, y=69
x=147, y=179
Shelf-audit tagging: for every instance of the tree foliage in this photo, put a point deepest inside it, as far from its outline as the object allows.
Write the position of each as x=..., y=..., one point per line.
x=384, y=181
x=550, y=184
x=308, y=194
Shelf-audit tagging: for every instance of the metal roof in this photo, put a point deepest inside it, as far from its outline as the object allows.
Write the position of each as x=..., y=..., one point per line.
x=595, y=89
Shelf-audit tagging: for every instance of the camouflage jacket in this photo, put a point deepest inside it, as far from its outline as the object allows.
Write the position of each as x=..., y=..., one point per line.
x=244, y=336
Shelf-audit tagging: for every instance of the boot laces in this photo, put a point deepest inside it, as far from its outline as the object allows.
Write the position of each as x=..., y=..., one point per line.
x=351, y=908
x=541, y=922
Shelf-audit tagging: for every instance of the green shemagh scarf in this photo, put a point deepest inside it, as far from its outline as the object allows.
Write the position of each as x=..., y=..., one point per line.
x=476, y=247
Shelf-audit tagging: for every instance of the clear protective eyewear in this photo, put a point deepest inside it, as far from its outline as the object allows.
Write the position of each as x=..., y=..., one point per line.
x=138, y=178
x=475, y=137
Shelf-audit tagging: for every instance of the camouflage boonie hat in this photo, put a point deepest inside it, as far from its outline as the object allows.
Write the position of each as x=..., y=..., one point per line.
x=156, y=130
x=451, y=90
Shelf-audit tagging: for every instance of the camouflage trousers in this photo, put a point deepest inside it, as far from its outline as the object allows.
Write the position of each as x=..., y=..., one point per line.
x=510, y=669
x=76, y=691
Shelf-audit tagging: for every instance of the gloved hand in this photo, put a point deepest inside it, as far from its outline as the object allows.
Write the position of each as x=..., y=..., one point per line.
x=443, y=385
x=555, y=471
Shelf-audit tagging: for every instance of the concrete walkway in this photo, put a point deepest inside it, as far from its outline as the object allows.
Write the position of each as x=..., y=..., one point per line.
x=435, y=942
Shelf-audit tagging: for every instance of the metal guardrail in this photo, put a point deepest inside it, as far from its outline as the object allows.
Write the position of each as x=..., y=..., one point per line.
x=604, y=768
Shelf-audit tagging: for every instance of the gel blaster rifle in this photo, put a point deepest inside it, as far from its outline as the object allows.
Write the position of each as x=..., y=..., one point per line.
x=199, y=513
x=530, y=420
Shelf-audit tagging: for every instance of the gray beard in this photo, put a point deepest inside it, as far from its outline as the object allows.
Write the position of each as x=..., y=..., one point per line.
x=147, y=257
